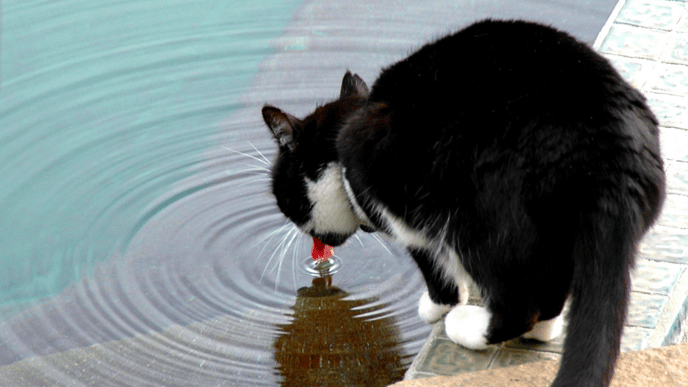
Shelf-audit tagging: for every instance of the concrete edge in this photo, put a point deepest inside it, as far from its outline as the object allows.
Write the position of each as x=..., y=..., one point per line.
x=666, y=367
x=608, y=25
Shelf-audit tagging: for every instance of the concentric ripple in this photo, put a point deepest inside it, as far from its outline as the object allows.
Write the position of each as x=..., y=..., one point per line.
x=140, y=243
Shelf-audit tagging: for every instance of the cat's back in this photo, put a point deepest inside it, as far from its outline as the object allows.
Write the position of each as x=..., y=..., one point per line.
x=500, y=106
x=512, y=68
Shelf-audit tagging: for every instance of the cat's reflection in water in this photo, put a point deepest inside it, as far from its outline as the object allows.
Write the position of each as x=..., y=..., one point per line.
x=330, y=343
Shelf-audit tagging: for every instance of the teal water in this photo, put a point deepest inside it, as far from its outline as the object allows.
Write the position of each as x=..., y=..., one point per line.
x=103, y=106
x=135, y=212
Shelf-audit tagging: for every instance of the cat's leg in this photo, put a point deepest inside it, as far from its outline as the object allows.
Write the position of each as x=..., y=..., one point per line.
x=511, y=311
x=546, y=330
x=443, y=291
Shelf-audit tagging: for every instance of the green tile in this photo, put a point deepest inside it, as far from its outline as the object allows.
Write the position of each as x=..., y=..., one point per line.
x=673, y=142
x=645, y=309
x=655, y=277
x=554, y=346
x=675, y=212
x=635, y=339
x=634, y=70
x=668, y=78
x=633, y=41
x=447, y=358
x=671, y=110
x=677, y=50
x=651, y=13
x=665, y=244
x=677, y=178
x=507, y=357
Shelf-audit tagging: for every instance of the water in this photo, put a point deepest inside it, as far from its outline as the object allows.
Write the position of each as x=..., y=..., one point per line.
x=137, y=223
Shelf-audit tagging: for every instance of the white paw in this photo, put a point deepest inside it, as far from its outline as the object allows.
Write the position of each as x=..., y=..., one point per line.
x=546, y=330
x=467, y=325
x=429, y=311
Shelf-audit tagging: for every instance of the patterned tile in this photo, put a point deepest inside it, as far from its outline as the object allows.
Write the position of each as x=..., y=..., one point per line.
x=677, y=50
x=675, y=212
x=673, y=143
x=655, y=277
x=446, y=358
x=669, y=78
x=651, y=13
x=635, y=339
x=682, y=25
x=507, y=357
x=634, y=70
x=633, y=41
x=671, y=110
x=677, y=177
x=645, y=309
x=665, y=244
x=556, y=345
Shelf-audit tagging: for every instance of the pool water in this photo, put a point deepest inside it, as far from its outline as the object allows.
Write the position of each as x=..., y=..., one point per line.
x=134, y=190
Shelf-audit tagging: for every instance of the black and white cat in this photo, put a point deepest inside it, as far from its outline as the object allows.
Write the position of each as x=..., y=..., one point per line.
x=508, y=154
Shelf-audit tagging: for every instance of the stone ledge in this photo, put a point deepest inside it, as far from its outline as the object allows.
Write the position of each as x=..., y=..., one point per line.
x=665, y=367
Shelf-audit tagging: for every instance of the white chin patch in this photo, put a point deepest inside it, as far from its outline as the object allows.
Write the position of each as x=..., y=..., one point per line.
x=331, y=213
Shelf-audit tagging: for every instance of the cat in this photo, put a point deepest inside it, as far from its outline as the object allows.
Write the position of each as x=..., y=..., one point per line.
x=507, y=154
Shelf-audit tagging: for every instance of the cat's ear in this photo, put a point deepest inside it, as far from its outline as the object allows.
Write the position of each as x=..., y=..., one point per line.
x=353, y=86
x=283, y=126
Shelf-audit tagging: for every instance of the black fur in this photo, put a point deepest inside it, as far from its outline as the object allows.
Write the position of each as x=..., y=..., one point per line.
x=519, y=148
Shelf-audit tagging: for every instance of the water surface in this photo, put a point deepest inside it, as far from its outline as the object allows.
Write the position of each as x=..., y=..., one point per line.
x=139, y=238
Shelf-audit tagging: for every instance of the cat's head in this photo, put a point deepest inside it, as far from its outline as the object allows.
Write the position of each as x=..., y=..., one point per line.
x=307, y=176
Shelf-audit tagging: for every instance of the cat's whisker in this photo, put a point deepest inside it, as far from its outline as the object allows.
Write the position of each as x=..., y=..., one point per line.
x=279, y=247
x=281, y=260
x=358, y=238
x=295, y=261
x=260, y=153
x=255, y=168
x=270, y=236
x=262, y=161
x=382, y=243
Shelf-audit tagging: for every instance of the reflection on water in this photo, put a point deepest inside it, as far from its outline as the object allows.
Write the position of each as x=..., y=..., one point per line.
x=331, y=342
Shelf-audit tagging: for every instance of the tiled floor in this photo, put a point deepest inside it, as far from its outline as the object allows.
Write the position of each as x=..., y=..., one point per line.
x=647, y=40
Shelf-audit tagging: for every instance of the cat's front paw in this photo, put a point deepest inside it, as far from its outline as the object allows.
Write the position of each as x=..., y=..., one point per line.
x=429, y=311
x=467, y=325
x=546, y=330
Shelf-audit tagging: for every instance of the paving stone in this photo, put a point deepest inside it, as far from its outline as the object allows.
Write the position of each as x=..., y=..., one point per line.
x=651, y=13
x=634, y=70
x=634, y=41
x=635, y=338
x=645, y=309
x=677, y=177
x=675, y=212
x=674, y=144
x=677, y=50
x=554, y=346
x=671, y=110
x=668, y=79
x=507, y=357
x=446, y=358
x=656, y=277
x=665, y=244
